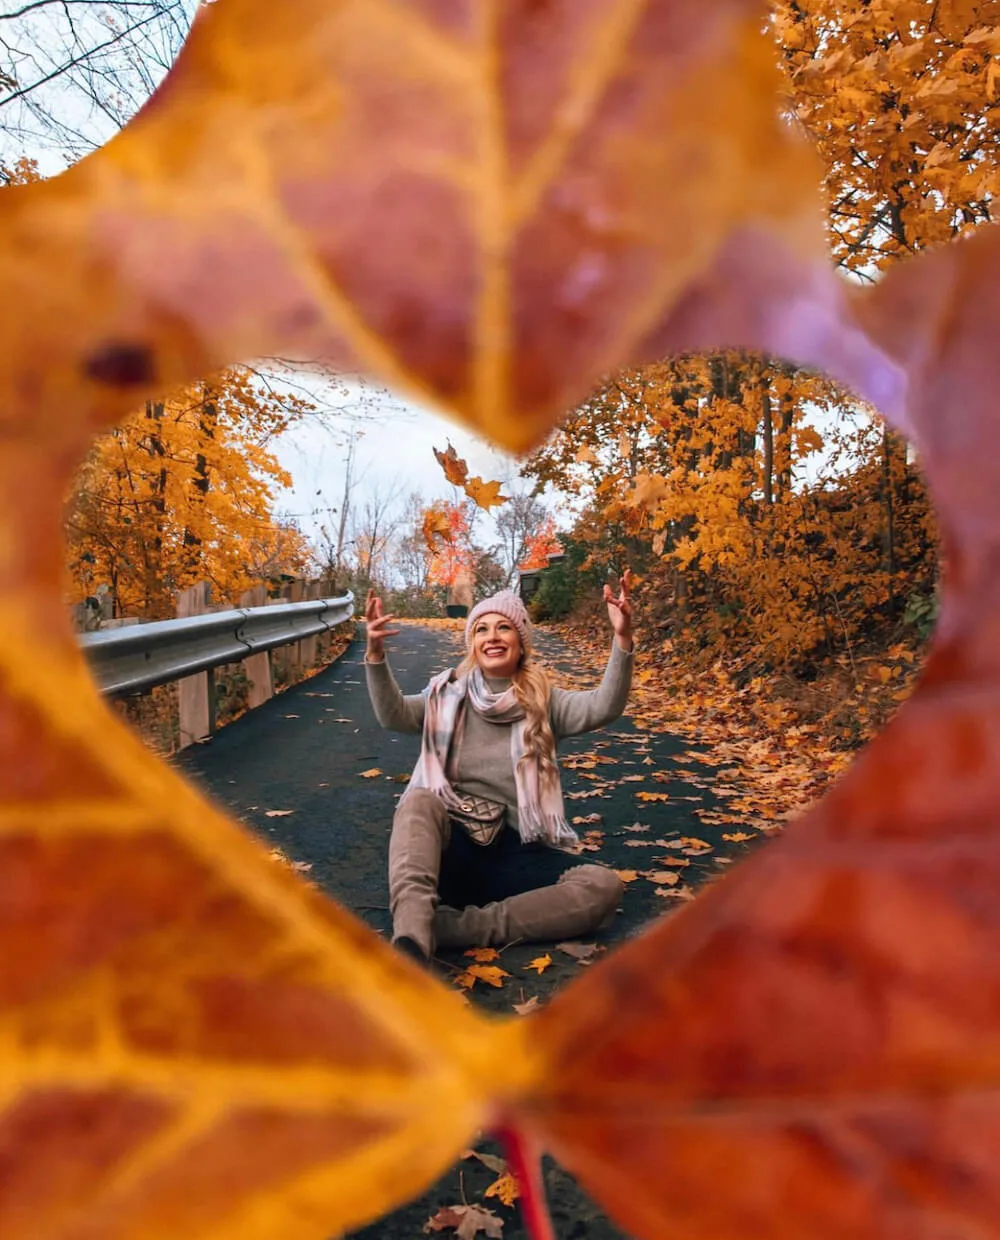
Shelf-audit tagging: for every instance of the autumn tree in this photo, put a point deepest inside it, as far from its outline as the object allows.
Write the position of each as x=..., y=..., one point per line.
x=540, y=545
x=182, y=492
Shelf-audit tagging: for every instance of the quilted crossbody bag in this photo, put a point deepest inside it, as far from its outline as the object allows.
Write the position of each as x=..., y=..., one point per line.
x=480, y=818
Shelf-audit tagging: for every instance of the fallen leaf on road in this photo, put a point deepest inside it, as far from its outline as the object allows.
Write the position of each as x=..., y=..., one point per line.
x=627, y=876
x=674, y=893
x=495, y=1163
x=371, y=773
x=580, y=819
x=739, y=837
x=680, y=862
x=505, y=1189
x=692, y=844
x=579, y=951
x=653, y=796
x=291, y=716
x=482, y=955
x=468, y=1221
x=665, y=877
x=529, y=1005
x=632, y=779
x=638, y=826
x=278, y=813
x=491, y=974
x=540, y=963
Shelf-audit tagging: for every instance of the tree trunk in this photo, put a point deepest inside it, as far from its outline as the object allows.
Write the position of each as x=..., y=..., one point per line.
x=767, y=427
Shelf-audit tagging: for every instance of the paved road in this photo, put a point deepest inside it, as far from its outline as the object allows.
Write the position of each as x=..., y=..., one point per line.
x=306, y=750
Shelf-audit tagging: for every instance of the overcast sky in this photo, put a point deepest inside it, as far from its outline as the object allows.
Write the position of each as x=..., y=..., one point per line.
x=394, y=450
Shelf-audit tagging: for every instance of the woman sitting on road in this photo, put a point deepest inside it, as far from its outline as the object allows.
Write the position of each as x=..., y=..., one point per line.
x=478, y=848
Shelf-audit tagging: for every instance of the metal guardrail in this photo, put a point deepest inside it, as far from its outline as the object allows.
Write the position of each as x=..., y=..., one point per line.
x=140, y=656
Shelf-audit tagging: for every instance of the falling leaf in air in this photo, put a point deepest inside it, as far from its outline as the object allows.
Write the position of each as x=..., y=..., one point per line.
x=482, y=955
x=490, y=974
x=467, y=1221
x=455, y=469
x=540, y=963
x=371, y=773
x=485, y=495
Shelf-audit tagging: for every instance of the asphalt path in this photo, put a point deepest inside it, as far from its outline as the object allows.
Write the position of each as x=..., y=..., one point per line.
x=307, y=751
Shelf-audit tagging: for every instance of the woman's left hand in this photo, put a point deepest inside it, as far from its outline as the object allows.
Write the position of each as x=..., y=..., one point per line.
x=620, y=610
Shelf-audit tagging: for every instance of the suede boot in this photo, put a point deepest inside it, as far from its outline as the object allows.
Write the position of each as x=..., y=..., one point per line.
x=583, y=900
x=420, y=833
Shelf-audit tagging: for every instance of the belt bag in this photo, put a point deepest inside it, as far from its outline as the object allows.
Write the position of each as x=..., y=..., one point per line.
x=480, y=818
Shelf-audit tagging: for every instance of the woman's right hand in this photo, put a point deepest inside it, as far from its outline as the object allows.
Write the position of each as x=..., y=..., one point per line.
x=375, y=622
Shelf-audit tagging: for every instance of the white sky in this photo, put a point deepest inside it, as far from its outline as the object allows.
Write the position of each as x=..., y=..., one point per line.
x=394, y=451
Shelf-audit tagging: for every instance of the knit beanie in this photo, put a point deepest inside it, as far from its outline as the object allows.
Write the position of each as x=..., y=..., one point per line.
x=506, y=604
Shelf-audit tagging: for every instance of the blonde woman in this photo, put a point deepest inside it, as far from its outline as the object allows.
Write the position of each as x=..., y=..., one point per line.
x=478, y=852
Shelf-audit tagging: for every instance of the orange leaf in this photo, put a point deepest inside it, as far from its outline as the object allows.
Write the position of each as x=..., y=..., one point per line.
x=455, y=469
x=372, y=773
x=540, y=963
x=485, y=494
x=491, y=974
x=483, y=955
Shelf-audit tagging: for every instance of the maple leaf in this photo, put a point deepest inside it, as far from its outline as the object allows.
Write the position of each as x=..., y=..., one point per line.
x=528, y=1006
x=482, y=955
x=492, y=975
x=372, y=773
x=468, y=1221
x=455, y=469
x=652, y=796
x=739, y=837
x=663, y=877
x=627, y=876
x=485, y=495
x=540, y=963
x=505, y=1188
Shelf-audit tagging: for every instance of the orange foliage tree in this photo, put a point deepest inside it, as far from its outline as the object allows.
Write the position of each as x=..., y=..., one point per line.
x=541, y=545
x=182, y=492
x=452, y=552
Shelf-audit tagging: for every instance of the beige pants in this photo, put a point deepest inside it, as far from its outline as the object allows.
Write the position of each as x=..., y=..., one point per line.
x=583, y=900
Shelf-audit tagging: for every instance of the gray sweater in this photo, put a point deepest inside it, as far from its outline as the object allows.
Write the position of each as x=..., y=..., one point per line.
x=484, y=766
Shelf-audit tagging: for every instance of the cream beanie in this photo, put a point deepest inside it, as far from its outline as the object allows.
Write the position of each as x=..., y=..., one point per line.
x=506, y=604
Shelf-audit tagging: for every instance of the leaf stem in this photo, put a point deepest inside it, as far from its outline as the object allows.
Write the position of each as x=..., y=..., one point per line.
x=526, y=1166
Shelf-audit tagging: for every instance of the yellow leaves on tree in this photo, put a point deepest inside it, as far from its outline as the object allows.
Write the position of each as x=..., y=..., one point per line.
x=182, y=492
x=194, y=1042
x=900, y=99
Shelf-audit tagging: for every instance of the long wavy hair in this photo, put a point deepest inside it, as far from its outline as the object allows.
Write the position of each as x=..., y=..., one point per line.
x=533, y=689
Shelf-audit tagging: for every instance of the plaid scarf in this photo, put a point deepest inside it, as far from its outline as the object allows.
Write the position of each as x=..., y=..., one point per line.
x=540, y=812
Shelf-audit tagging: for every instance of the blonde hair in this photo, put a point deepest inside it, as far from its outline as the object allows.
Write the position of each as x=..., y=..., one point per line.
x=533, y=689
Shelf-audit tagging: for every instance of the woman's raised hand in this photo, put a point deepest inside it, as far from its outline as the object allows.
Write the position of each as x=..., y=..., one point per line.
x=620, y=610
x=375, y=627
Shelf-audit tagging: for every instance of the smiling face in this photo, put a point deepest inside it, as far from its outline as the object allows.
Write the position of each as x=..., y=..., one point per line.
x=496, y=645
